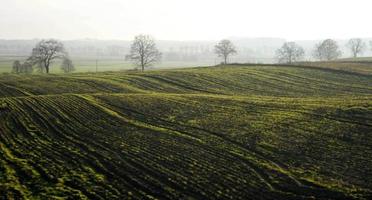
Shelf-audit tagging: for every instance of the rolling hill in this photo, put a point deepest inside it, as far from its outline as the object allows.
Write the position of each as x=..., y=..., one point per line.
x=225, y=132
x=362, y=65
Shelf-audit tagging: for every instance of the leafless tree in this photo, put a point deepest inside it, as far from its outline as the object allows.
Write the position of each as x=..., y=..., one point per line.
x=327, y=50
x=45, y=52
x=317, y=52
x=290, y=52
x=67, y=65
x=143, y=52
x=356, y=46
x=16, y=67
x=224, y=49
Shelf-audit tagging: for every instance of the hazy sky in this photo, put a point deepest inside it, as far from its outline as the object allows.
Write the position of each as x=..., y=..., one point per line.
x=185, y=19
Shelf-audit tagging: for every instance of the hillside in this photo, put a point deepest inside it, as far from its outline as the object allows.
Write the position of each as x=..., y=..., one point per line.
x=361, y=65
x=227, y=132
x=230, y=80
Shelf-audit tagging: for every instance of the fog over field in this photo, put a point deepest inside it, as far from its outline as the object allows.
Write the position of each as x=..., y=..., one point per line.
x=175, y=52
x=184, y=20
x=185, y=99
x=186, y=31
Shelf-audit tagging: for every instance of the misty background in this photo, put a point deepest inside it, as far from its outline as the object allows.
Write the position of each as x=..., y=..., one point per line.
x=99, y=33
x=250, y=50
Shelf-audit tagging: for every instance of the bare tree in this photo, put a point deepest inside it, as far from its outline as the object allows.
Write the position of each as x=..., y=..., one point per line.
x=45, y=52
x=16, y=67
x=317, y=52
x=356, y=46
x=67, y=65
x=224, y=49
x=143, y=52
x=327, y=50
x=290, y=52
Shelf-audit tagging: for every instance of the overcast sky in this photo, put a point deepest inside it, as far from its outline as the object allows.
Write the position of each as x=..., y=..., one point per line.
x=185, y=19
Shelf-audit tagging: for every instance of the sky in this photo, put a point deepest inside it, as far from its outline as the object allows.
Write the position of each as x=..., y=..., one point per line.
x=185, y=19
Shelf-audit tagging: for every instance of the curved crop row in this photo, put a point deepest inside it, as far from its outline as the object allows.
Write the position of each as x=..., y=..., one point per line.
x=232, y=80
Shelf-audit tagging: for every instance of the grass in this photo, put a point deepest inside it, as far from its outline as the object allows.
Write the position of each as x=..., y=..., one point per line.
x=88, y=64
x=357, y=59
x=356, y=65
x=231, y=80
x=227, y=132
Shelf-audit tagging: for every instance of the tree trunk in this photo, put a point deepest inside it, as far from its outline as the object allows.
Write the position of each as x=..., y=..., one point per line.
x=142, y=64
x=47, y=68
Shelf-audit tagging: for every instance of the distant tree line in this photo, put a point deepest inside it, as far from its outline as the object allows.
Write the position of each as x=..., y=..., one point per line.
x=144, y=53
x=290, y=52
x=326, y=50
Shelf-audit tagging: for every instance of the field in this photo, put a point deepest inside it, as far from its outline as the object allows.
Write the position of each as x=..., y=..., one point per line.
x=224, y=132
x=357, y=65
x=101, y=64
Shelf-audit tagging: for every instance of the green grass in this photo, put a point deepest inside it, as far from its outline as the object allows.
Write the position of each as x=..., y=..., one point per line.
x=357, y=59
x=355, y=65
x=88, y=64
x=227, y=132
x=231, y=80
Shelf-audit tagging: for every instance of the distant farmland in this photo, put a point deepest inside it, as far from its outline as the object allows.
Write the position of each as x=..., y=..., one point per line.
x=358, y=65
x=225, y=132
x=91, y=64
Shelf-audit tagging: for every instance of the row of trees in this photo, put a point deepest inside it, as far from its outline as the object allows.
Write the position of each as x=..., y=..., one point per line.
x=43, y=55
x=291, y=52
x=144, y=53
x=326, y=50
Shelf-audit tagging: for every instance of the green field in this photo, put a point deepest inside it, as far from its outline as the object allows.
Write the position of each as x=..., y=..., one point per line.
x=356, y=65
x=102, y=64
x=225, y=132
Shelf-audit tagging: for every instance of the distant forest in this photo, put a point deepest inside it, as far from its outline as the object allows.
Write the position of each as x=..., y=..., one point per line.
x=253, y=50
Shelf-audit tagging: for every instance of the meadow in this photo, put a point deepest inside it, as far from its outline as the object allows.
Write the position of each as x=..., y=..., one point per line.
x=100, y=64
x=357, y=65
x=222, y=132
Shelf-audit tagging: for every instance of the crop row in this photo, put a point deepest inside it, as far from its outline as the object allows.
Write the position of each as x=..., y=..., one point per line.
x=268, y=81
x=68, y=146
x=63, y=146
x=317, y=137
